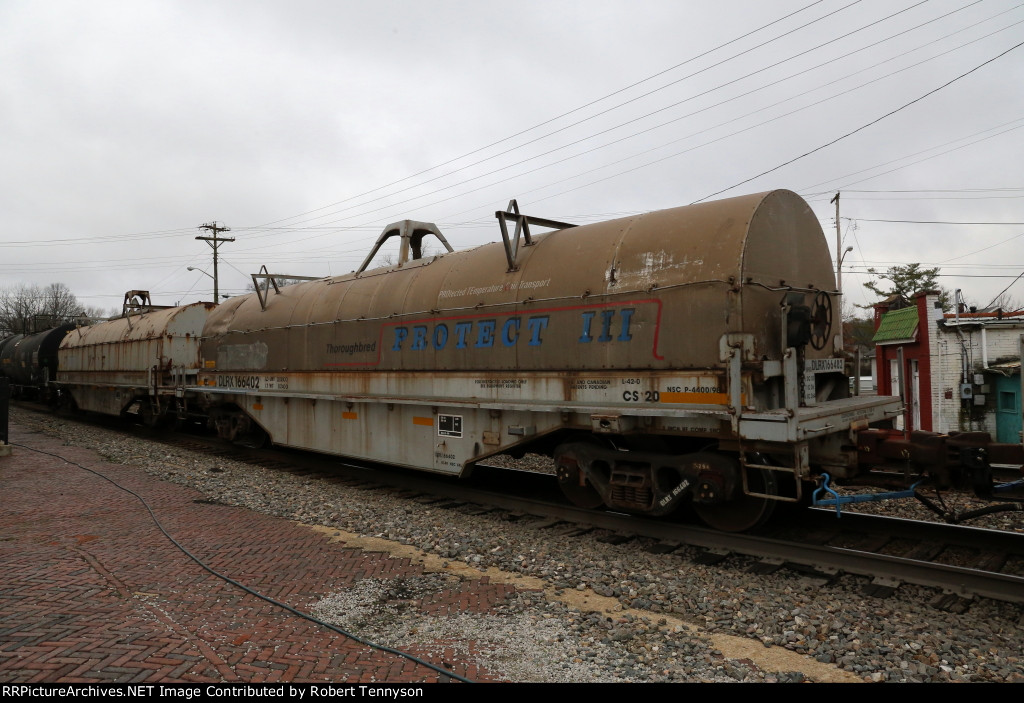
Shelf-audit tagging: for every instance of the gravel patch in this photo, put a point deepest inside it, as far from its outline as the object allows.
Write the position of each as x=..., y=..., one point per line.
x=535, y=637
x=527, y=638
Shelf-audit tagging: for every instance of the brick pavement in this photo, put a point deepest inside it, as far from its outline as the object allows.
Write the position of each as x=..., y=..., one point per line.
x=91, y=591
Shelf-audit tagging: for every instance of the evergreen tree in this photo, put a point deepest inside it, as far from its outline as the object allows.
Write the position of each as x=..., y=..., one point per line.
x=906, y=280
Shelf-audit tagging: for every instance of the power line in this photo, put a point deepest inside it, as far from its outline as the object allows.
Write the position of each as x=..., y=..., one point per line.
x=1005, y=289
x=157, y=234
x=922, y=160
x=978, y=251
x=435, y=202
x=708, y=143
x=718, y=139
x=868, y=263
x=910, y=156
x=560, y=161
x=337, y=229
x=646, y=115
x=944, y=190
x=589, y=104
x=933, y=222
x=906, y=200
x=947, y=275
x=864, y=126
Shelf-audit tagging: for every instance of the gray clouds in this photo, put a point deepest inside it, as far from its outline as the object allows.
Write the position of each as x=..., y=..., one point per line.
x=125, y=119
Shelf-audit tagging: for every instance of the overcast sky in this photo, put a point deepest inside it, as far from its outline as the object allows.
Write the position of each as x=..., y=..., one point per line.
x=308, y=126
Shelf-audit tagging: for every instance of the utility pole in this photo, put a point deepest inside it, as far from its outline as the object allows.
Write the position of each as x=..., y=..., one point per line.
x=215, y=242
x=840, y=255
x=839, y=248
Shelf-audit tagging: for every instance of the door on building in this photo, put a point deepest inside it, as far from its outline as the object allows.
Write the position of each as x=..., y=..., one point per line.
x=895, y=386
x=1008, y=409
x=915, y=395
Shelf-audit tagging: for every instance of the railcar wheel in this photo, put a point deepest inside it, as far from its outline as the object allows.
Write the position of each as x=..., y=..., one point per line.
x=746, y=512
x=574, y=483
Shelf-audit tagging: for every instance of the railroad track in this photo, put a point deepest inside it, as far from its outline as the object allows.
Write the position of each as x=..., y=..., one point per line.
x=960, y=562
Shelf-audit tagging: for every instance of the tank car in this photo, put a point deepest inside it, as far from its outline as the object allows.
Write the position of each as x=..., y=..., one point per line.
x=6, y=355
x=140, y=364
x=30, y=362
x=685, y=355
x=7, y=344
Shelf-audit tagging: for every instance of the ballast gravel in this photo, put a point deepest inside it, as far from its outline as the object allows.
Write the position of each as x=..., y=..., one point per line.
x=670, y=617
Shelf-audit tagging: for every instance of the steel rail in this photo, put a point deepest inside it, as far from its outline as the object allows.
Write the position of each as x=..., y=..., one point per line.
x=953, y=579
x=887, y=569
x=828, y=560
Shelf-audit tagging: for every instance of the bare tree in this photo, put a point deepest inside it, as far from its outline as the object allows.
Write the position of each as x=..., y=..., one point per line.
x=282, y=281
x=1006, y=302
x=95, y=313
x=25, y=309
x=16, y=309
x=59, y=304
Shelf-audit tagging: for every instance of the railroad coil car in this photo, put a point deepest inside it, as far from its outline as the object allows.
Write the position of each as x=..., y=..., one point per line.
x=140, y=363
x=681, y=354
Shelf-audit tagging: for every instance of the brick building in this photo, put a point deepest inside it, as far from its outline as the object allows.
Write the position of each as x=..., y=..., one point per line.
x=960, y=371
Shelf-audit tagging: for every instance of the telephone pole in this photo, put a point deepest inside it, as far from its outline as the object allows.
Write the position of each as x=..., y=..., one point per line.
x=839, y=245
x=215, y=242
x=840, y=255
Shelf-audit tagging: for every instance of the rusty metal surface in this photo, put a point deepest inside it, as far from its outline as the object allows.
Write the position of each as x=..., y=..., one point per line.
x=940, y=455
x=660, y=323
x=652, y=291
x=162, y=338
x=109, y=364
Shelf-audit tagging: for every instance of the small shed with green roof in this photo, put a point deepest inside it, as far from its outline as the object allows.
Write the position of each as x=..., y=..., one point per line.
x=897, y=327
